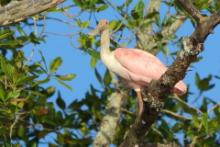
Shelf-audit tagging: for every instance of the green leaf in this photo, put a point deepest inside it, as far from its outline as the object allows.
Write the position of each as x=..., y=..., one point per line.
x=12, y=43
x=93, y=61
x=101, y=8
x=50, y=90
x=43, y=59
x=46, y=80
x=203, y=84
x=94, y=53
x=205, y=121
x=5, y=34
x=13, y=94
x=20, y=30
x=60, y=102
x=64, y=84
x=168, y=3
x=217, y=4
x=163, y=48
x=107, y=77
x=168, y=20
x=204, y=105
x=98, y=76
x=83, y=24
x=139, y=9
x=186, y=107
x=114, y=24
x=66, y=77
x=201, y=4
x=21, y=78
x=21, y=130
x=217, y=77
x=177, y=127
x=2, y=94
x=152, y=15
x=55, y=64
x=84, y=129
x=7, y=68
x=34, y=39
x=85, y=41
x=196, y=121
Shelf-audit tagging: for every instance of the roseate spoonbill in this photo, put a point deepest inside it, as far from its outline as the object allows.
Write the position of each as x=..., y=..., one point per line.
x=136, y=67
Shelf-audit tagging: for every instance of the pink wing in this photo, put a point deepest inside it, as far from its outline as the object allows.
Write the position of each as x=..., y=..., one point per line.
x=140, y=62
x=144, y=64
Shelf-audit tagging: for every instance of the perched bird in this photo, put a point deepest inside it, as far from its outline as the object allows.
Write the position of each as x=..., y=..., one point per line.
x=136, y=67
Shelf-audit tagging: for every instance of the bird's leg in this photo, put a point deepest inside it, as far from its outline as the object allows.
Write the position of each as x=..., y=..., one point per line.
x=140, y=105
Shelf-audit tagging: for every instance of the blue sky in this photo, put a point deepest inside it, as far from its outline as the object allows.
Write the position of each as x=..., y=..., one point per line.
x=76, y=61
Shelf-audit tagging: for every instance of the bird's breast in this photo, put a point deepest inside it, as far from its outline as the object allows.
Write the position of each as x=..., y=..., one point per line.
x=113, y=65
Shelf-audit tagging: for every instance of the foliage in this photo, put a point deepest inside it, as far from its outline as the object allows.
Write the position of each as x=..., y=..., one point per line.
x=27, y=116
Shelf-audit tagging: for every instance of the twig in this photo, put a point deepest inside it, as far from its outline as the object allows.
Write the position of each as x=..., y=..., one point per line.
x=190, y=108
x=61, y=21
x=175, y=115
x=128, y=112
x=214, y=107
x=17, y=117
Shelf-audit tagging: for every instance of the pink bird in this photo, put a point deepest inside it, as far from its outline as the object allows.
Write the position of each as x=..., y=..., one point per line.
x=136, y=67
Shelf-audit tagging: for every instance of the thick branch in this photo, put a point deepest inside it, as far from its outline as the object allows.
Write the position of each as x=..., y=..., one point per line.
x=17, y=11
x=192, y=46
x=191, y=10
x=110, y=121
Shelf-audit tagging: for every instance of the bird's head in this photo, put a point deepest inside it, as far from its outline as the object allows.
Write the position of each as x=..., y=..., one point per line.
x=102, y=25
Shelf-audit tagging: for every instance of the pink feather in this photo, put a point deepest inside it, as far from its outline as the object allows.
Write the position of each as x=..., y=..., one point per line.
x=142, y=67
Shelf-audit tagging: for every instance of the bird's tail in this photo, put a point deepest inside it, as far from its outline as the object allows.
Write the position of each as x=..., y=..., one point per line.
x=180, y=88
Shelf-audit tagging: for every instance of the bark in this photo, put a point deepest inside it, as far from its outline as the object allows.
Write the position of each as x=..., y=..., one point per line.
x=17, y=11
x=110, y=121
x=191, y=10
x=191, y=47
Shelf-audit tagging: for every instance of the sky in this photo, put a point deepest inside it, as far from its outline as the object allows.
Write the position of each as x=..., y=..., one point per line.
x=77, y=62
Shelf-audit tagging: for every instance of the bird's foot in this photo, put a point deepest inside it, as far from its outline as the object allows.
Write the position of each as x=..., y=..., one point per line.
x=140, y=107
x=139, y=104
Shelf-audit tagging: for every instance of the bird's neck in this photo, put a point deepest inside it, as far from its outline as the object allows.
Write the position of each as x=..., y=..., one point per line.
x=105, y=43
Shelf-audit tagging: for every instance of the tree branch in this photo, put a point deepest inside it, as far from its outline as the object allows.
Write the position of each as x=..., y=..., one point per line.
x=143, y=34
x=191, y=10
x=166, y=32
x=192, y=46
x=109, y=122
x=17, y=11
x=175, y=115
x=148, y=43
x=169, y=30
